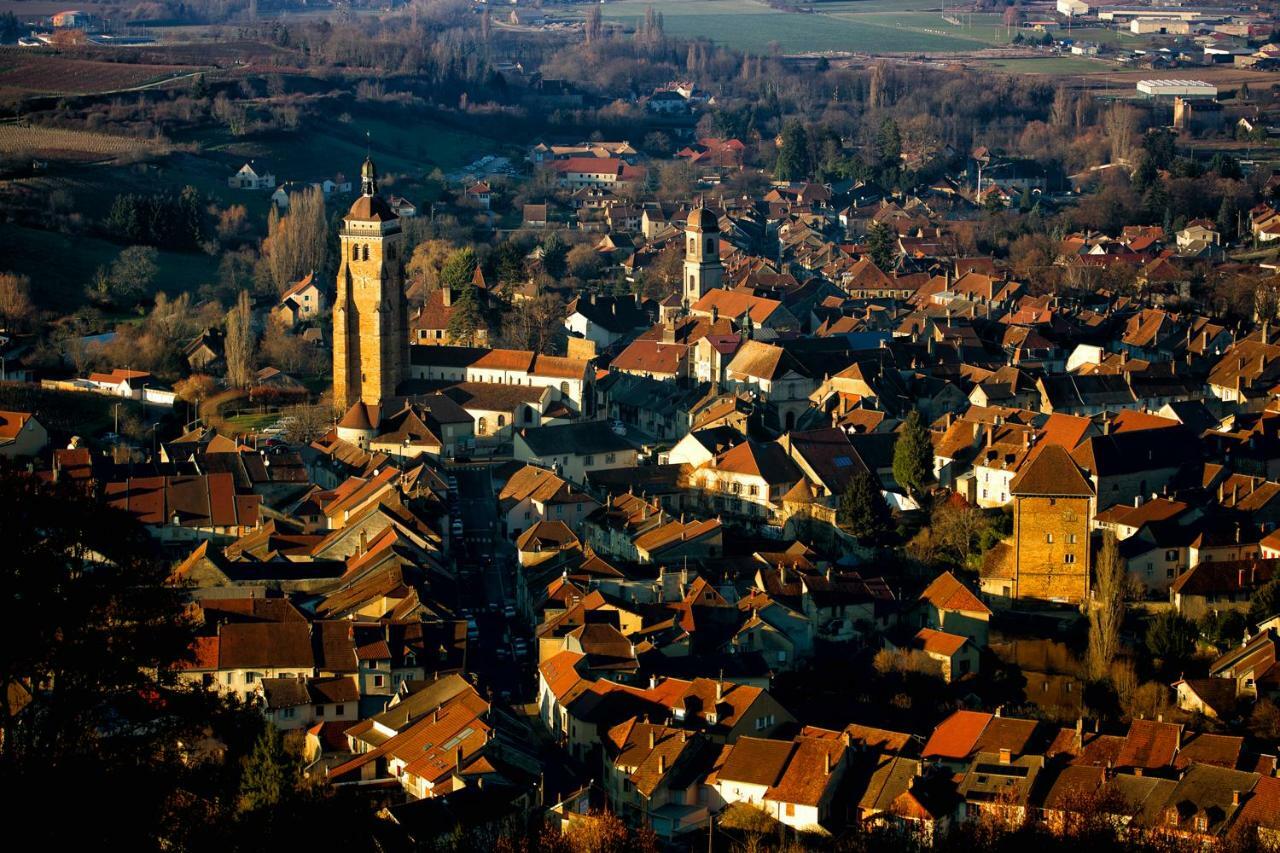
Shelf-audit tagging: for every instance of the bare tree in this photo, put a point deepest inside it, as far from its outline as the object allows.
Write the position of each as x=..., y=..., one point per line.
x=297, y=243
x=1107, y=612
x=16, y=307
x=1120, y=124
x=239, y=346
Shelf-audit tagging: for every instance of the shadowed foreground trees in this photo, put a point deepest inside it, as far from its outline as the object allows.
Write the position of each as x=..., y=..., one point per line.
x=101, y=745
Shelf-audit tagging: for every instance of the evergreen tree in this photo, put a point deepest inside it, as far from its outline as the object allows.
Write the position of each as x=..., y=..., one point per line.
x=1171, y=639
x=459, y=269
x=889, y=144
x=467, y=317
x=793, y=155
x=269, y=774
x=1226, y=221
x=862, y=508
x=881, y=245
x=913, y=455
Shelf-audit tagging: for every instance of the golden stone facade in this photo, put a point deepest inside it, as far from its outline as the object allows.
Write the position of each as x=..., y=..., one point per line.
x=370, y=317
x=1051, y=548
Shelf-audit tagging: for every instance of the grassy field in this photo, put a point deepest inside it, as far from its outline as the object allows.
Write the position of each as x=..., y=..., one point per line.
x=60, y=266
x=865, y=26
x=1056, y=65
x=750, y=25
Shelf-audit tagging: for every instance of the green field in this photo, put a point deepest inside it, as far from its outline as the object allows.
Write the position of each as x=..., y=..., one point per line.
x=60, y=266
x=865, y=26
x=1057, y=65
x=750, y=25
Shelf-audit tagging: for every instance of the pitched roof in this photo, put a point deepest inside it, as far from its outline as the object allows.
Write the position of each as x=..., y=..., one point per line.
x=1051, y=472
x=946, y=592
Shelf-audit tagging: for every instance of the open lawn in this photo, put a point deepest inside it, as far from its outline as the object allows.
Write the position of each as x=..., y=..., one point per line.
x=750, y=25
x=60, y=266
x=1055, y=65
x=864, y=26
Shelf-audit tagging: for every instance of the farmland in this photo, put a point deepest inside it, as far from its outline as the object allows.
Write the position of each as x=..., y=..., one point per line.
x=53, y=143
x=24, y=72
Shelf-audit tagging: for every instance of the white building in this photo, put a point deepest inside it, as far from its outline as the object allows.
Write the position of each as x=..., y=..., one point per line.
x=1177, y=88
x=1072, y=8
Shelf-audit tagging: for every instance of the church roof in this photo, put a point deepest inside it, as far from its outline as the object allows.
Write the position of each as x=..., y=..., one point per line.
x=358, y=417
x=703, y=220
x=371, y=208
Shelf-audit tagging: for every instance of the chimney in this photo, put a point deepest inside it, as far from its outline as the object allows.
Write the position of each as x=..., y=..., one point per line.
x=1137, y=771
x=1006, y=755
x=591, y=297
x=653, y=740
x=457, y=758
x=662, y=764
x=1079, y=733
x=719, y=690
x=653, y=682
x=826, y=755
x=1235, y=798
x=446, y=295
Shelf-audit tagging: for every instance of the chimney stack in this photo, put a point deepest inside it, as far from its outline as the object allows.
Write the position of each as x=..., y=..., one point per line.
x=653, y=739
x=1006, y=755
x=662, y=764
x=446, y=296
x=457, y=758
x=826, y=755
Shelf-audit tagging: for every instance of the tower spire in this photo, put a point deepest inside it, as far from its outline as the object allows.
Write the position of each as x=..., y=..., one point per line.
x=368, y=172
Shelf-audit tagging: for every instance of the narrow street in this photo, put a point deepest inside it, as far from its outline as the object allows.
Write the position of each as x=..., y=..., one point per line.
x=486, y=565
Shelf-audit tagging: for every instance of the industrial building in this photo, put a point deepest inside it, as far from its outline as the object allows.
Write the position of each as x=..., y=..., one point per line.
x=1169, y=89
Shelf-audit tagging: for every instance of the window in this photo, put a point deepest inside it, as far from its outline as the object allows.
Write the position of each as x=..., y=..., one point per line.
x=287, y=713
x=482, y=426
x=1048, y=537
x=590, y=460
x=339, y=710
x=1071, y=539
x=377, y=681
x=502, y=421
x=791, y=809
x=753, y=490
x=1171, y=555
x=610, y=458
x=1068, y=558
x=250, y=677
x=319, y=710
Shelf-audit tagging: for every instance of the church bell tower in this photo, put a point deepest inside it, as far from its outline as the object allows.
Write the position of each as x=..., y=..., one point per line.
x=370, y=317
x=702, y=268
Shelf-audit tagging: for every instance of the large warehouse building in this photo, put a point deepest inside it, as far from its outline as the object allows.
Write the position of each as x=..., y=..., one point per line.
x=1170, y=89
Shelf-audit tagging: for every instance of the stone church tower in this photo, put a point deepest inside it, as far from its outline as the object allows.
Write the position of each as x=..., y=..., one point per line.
x=702, y=268
x=370, y=318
